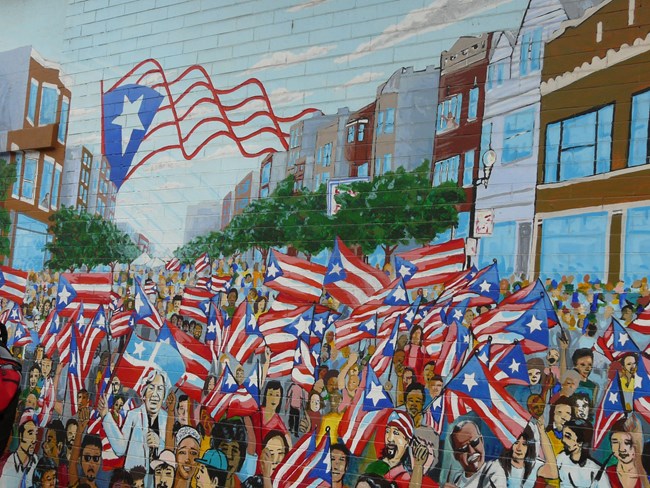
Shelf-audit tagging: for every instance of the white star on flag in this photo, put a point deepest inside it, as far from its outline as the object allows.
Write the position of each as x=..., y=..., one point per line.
x=376, y=393
x=400, y=294
x=623, y=338
x=336, y=269
x=637, y=381
x=404, y=271
x=14, y=314
x=469, y=381
x=514, y=367
x=272, y=270
x=534, y=324
x=371, y=325
x=319, y=326
x=212, y=328
x=458, y=314
x=139, y=349
x=302, y=327
x=101, y=321
x=485, y=286
x=613, y=397
x=139, y=304
x=230, y=381
x=129, y=109
x=19, y=333
x=64, y=296
x=483, y=357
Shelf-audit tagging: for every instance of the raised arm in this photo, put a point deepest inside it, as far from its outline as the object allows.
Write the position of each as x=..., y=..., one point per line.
x=83, y=415
x=171, y=416
x=549, y=469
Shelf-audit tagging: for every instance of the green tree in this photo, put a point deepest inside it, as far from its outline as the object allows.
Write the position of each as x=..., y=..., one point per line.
x=309, y=228
x=82, y=239
x=396, y=208
x=7, y=179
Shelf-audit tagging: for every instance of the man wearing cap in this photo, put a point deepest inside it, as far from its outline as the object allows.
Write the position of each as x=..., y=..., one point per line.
x=142, y=435
x=212, y=469
x=164, y=469
x=397, y=437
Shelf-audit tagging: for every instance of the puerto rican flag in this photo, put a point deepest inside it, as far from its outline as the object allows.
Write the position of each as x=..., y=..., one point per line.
x=642, y=388
x=303, y=372
x=353, y=330
x=12, y=315
x=196, y=303
x=202, y=263
x=350, y=280
x=13, y=284
x=434, y=264
x=295, y=277
x=616, y=341
x=122, y=323
x=75, y=381
x=434, y=416
x=231, y=399
x=214, y=283
x=642, y=322
x=196, y=356
x=306, y=465
x=508, y=364
x=150, y=287
x=174, y=264
x=21, y=336
x=610, y=410
x=65, y=334
x=144, y=312
x=474, y=389
x=93, y=289
x=49, y=332
x=214, y=332
x=480, y=288
x=525, y=322
x=532, y=294
x=244, y=335
x=94, y=334
x=383, y=356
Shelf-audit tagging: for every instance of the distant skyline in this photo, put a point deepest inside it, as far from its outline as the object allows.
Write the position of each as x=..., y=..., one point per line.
x=324, y=54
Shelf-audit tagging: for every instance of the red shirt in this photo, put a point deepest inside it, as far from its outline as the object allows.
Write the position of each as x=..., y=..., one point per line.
x=613, y=478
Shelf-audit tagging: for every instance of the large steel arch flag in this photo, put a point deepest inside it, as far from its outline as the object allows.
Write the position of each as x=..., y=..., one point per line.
x=145, y=113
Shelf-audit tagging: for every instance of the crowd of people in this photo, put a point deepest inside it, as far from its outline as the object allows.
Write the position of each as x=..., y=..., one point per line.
x=156, y=435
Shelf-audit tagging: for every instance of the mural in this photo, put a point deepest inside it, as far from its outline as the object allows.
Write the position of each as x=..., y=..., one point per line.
x=253, y=245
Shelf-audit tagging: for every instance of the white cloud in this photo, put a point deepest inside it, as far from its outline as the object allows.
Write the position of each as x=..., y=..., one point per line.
x=311, y=3
x=438, y=15
x=282, y=58
x=367, y=77
x=282, y=96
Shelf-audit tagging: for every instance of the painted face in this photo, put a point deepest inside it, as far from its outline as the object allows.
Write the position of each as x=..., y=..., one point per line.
x=154, y=394
x=34, y=376
x=519, y=449
x=569, y=386
x=46, y=367
x=629, y=364
x=90, y=459
x=48, y=480
x=50, y=448
x=232, y=453
x=332, y=384
x=562, y=416
x=202, y=477
x=70, y=434
x=623, y=447
x=186, y=453
x=428, y=374
x=468, y=448
x=396, y=443
x=138, y=483
x=314, y=403
x=407, y=378
x=416, y=338
x=436, y=388
x=117, y=405
x=275, y=450
x=164, y=476
x=273, y=398
x=28, y=438
x=82, y=399
x=581, y=409
x=31, y=401
x=584, y=366
x=398, y=361
x=570, y=441
x=239, y=375
x=197, y=331
x=338, y=465
x=534, y=375
x=181, y=410
x=552, y=356
x=414, y=403
x=335, y=401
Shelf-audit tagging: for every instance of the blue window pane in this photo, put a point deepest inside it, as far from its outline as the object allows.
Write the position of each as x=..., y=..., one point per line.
x=552, y=152
x=536, y=54
x=462, y=229
x=576, y=162
x=639, y=129
x=44, y=195
x=377, y=166
x=518, y=135
x=351, y=133
x=446, y=170
x=29, y=179
x=390, y=121
x=264, y=192
x=362, y=128
x=468, y=170
x=380, y=122
x=501, y=245
x=574, y=245
x=31, y=107
x=490, y=77
x=55, y=187
x=363, y=170
x=49, y=102
x=473, y=103
x=388, y=161
x=19, y=170
x=31, y=236
x=63, y=121
x=524, y=53
x=266, y=173
x=637, y=244
x=604, y=147
x=486, y=136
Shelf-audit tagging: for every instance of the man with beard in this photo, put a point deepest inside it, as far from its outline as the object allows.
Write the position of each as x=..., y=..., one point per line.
x=426, y=435
x=469, y=450
x=627, y=446
x=164, y=469
x=142, y=435
x=397, y=438
x=22, y=463
x=53, y=449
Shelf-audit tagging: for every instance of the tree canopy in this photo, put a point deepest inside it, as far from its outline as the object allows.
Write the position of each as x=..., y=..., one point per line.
x=7, y=179
x=82, y=239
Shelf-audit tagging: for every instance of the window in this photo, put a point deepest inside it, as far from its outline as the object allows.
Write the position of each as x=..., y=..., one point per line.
x=319, y=156
x=83, y=196
x=316, y=181
x=55, y=186
x=264, y=192
x=501, y=245
x=388, y=160
x=15, y=191
x=496, y=74
x=377, y=166
x=468, y=170
x=266, y=173
x=518, y=135
x=380, y=122
x=389, y=126
x=101, y=207
x=351, y=133
x=449, y=113
x=29, y=179
x=326, y=177
x=446, y=170
x=640, y=130
x=530, y=52
x=362, y=128
x=580, y=146
x=31, y=106
x=63, y=120
x=472, y=110
x=575, y=244
x=49, y=102
x=327, y=154
x=44, y=196
x=363, y=170
x=637, y=237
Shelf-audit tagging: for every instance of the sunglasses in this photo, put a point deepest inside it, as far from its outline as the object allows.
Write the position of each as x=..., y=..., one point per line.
x=473, y=443
x=89, y=458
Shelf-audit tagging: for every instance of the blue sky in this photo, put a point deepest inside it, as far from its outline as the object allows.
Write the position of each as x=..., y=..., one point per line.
x=323, y=54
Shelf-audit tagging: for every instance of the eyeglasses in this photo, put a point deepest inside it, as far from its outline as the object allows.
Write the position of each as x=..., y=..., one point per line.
x=88, y=458
x=473, y=443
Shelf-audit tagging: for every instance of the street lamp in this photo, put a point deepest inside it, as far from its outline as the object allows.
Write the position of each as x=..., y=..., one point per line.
x=488, y=160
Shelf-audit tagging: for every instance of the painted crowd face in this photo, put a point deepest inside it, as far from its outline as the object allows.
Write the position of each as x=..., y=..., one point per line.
x=395, y=443
x=154, y=395
x=468, y=448
x=623, y=447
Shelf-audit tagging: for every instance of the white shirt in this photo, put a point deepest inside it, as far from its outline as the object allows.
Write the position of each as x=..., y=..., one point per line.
x=491, y=475
x=573, y=475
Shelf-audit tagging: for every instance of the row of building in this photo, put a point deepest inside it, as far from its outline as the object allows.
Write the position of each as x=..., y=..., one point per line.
x=546, y=128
